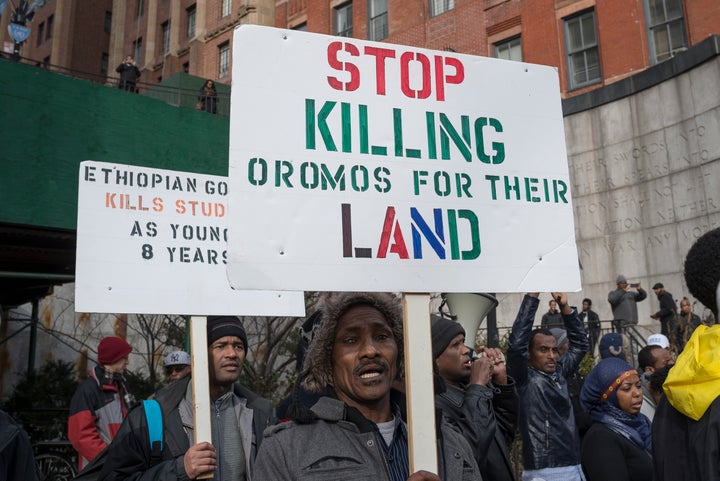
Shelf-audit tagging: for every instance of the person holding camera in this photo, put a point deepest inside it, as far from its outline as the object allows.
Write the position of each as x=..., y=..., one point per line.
x=667, y=312
x=129, y=73
x=623, y=302
x=479, y=398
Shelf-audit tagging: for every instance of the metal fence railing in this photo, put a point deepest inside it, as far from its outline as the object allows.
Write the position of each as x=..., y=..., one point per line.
x=171, y=95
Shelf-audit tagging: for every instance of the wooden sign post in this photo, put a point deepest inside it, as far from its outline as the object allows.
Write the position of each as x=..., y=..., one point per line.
x=419, y=387
x=202, y=430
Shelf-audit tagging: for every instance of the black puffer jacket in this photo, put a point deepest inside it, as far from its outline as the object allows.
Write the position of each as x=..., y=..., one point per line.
x=547, y=424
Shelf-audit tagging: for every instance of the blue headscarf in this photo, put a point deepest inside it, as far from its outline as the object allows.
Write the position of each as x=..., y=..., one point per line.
x=599, y=398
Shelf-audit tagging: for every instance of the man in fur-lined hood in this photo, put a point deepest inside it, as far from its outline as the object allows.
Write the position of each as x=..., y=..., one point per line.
x=318, y=360
x=355, y=430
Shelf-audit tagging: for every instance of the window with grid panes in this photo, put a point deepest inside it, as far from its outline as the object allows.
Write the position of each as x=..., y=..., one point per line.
x=342, y=20
x=510, y=49
x=440, y=6
x=666, y=28
x=582, y=52
x=224, y=60
x=378, y=19
x=165, y=37
x=137, y=51
x=191, y=21
x=225, y=8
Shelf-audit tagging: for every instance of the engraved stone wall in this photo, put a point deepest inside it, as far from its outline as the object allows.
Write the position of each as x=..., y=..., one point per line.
x=645, y=183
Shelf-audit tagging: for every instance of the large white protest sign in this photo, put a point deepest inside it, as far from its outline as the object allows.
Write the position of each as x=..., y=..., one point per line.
x=154, y=241
x=358, y=165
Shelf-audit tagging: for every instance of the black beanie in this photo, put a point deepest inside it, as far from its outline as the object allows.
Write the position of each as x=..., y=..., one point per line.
x=221, y=326
x=443, y=331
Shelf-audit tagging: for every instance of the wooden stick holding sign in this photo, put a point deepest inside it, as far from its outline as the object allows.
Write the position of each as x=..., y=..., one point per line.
x=202, y=430
x=419, y=387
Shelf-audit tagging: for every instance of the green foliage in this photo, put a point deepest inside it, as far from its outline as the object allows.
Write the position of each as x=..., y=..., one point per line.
x=40, y=401
x=586, y=365
x=269, y=370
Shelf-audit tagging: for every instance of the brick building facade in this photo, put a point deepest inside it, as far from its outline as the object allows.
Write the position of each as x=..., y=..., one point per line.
x=593, y=43
x=71, y=34
x=188, y=36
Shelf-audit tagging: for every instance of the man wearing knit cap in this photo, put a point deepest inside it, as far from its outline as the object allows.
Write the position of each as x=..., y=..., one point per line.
x=238, y=420
x=101, y=402
x=479, y=398
x=623, y=302
x=356, y=429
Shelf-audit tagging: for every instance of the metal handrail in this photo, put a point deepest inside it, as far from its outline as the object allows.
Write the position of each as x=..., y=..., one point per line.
x=175, y=96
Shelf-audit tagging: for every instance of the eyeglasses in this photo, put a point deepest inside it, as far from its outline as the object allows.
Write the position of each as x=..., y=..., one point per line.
x=176, y=368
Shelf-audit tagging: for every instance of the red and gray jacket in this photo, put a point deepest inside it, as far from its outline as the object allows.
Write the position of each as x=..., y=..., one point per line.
x=97, y=410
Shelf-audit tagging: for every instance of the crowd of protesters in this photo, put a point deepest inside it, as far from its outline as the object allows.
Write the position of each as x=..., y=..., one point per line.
x=655, y=417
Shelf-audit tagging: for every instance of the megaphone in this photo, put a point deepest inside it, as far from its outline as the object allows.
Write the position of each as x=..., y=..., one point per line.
x=469, y=309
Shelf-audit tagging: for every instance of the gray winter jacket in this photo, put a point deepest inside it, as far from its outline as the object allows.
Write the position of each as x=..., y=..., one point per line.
x=129, y=455
x=624, y=304
x=334, y=448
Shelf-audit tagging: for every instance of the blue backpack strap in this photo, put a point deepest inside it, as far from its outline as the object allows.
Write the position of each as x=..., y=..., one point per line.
x=153, y=416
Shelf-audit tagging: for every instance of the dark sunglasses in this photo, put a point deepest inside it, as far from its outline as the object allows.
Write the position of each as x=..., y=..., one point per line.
x=176, y=368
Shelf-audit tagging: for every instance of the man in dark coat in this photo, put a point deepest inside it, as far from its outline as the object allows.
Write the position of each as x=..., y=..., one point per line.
x=239, y=418
x=129, y=73
x=667, y=312
x=552, y=319
x=551, y=443
x=480, y=398
x=16, y=454
x=592, y=323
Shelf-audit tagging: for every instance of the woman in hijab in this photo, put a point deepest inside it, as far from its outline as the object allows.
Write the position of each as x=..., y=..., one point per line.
x=617, y=446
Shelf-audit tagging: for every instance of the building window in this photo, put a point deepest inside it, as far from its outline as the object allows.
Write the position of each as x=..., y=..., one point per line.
x=224, y=60
x=137, y=51
x=108, y=22
x=140, y=8
x=342, y=20
x=191, y=21
x=510, y=49
x=40, y=33
x=225, y=8
x=49, y=29
x=440, y=6
x=300, y=27
x=104, y=64
x=583, y=57
x=666, y=28
x=377, y=15
x=186, y=67
x=165, y=26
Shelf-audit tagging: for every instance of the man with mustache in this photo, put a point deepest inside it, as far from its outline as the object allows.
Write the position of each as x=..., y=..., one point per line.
x=551, y=444
x=356, y=429
x=238, y=420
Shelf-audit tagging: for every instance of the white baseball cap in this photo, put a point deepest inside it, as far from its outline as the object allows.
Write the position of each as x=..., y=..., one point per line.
x=177, y=357
x=658, y=340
